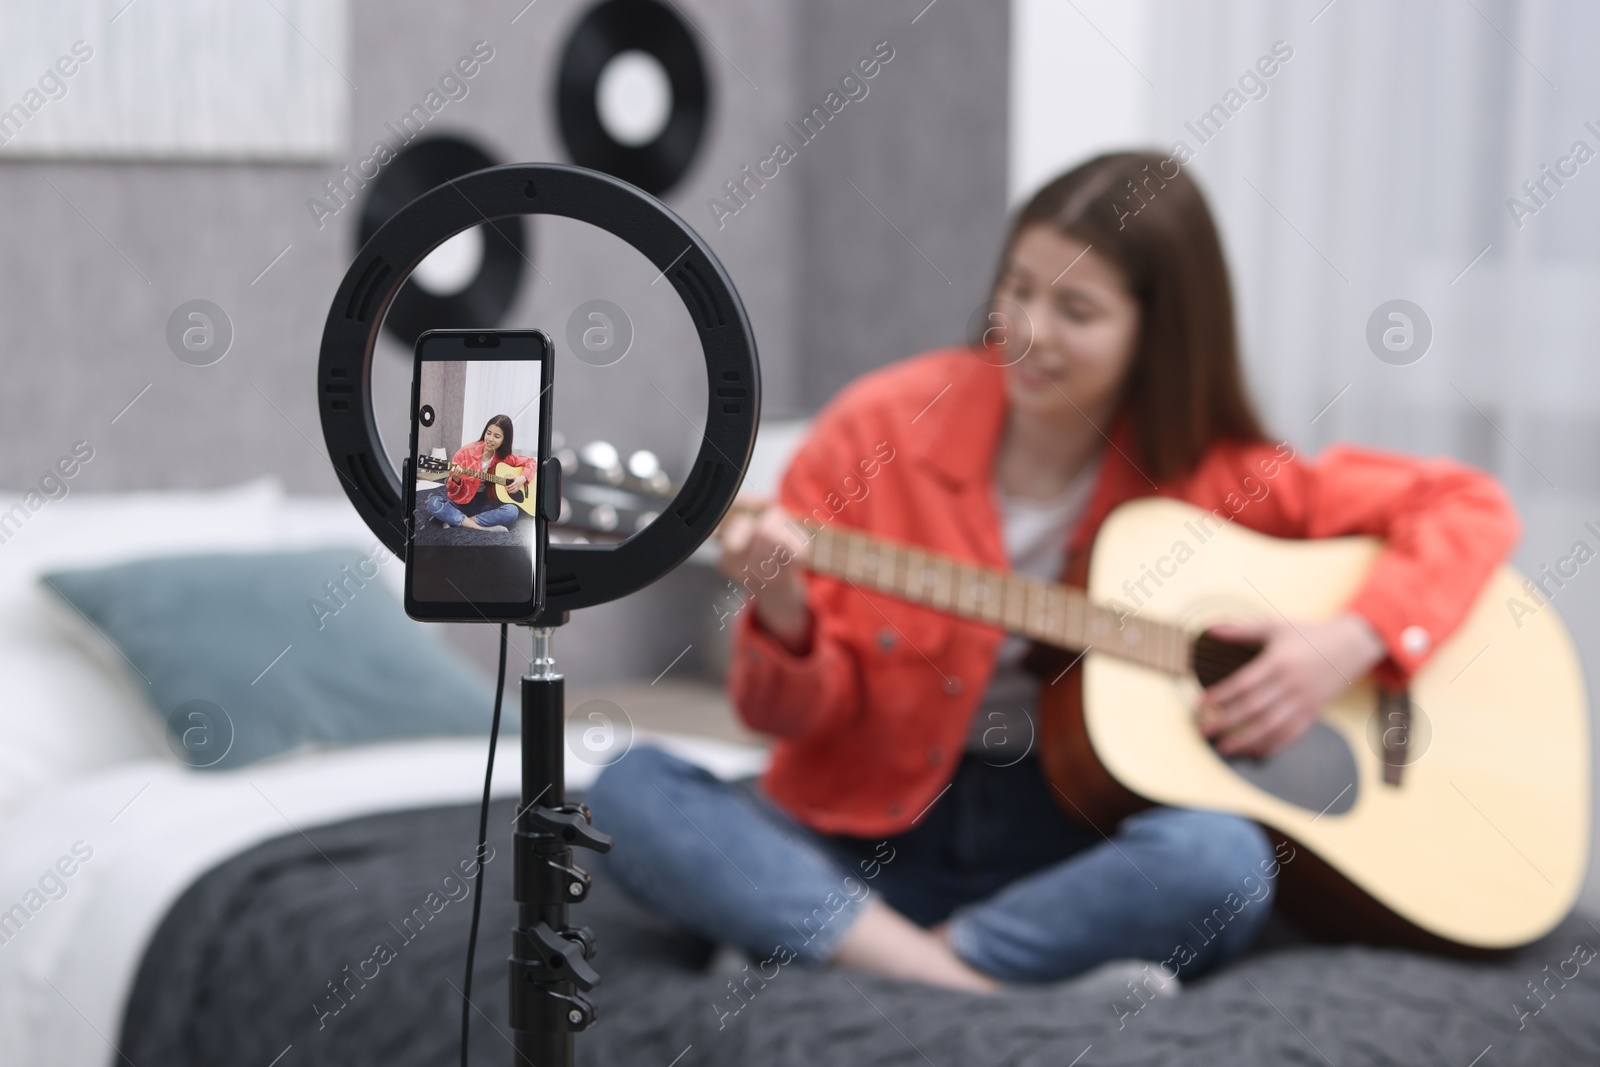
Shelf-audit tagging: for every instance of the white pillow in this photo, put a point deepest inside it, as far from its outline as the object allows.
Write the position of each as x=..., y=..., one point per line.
x=96, y=529
x=66, y=706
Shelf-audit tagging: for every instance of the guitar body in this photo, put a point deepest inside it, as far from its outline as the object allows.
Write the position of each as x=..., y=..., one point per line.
x=1472, y=837
x=523, y=498
x=504, y=473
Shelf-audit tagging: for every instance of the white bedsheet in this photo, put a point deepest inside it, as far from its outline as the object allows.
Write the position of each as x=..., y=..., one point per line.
x=154, y=826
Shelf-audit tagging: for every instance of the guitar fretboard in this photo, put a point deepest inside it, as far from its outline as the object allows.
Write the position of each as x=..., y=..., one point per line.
x=1048, y=612
x=441, y=467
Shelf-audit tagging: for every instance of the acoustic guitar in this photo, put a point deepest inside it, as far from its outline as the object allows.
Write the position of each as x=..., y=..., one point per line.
x=1452, y=816
x=504, y=474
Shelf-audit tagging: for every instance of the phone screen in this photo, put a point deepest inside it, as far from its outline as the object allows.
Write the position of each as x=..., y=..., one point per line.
x=479, y=434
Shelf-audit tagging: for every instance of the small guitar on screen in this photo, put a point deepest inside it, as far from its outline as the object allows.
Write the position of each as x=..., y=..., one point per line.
x=504, y=474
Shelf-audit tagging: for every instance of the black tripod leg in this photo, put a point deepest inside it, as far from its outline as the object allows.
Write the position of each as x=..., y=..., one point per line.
x=549, y=963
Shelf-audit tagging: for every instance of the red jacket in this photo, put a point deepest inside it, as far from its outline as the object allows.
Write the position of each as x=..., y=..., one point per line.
x=868, y=730
x=463, y=489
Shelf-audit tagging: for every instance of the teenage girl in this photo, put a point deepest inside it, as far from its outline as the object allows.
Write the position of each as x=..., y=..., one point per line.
x=467, y=501
x=892, y=833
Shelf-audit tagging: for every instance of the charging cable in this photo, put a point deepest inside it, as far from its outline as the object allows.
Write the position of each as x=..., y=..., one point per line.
x=483, y=840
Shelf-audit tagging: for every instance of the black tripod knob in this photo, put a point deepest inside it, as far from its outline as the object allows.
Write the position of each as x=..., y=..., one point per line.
x=569, y=824
x=545, y=955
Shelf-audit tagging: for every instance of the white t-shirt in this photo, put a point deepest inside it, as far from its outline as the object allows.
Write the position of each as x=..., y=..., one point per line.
x=1035, y=534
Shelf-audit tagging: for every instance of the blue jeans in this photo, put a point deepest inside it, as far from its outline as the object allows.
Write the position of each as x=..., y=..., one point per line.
x=1031, y=896
x=440, y=506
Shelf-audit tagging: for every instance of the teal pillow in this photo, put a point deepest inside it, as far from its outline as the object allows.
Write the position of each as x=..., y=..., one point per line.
x=248, y=656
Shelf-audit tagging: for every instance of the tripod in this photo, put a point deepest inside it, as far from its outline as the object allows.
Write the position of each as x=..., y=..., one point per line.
x=549, y=962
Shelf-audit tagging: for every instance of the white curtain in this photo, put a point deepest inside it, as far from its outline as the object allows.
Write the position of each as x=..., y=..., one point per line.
x=1379, y=165
x=495, y=387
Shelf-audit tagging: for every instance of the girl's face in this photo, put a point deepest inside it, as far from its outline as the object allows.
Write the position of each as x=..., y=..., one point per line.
x=1084, y=326
x=492, y=438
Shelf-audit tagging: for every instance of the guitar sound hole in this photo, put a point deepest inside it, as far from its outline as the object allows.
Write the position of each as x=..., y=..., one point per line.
x=1213, y=659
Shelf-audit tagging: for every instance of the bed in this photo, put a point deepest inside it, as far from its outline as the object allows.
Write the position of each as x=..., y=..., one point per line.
x=206, y=916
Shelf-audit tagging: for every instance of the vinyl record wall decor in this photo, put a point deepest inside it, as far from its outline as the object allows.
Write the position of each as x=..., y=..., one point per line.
x=469, y=281
x=632, y=95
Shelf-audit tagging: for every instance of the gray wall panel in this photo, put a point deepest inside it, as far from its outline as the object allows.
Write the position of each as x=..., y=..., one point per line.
x=926, y=156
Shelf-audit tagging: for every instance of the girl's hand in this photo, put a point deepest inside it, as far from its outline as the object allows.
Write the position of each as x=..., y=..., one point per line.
x=518, y=482
x=759, y=554
x=1271, y=701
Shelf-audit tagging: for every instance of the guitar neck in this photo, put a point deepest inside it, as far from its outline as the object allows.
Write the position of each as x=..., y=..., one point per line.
x=1049, y=612
x=481, y=475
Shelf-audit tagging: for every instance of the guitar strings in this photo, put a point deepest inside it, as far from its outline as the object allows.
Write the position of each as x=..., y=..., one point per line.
x=1208, y=658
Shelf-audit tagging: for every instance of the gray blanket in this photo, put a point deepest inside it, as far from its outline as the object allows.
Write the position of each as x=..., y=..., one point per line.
x=265, y=955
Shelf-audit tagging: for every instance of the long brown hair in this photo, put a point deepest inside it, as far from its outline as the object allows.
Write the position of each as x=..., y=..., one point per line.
x=1146, y=216
x=504, y=422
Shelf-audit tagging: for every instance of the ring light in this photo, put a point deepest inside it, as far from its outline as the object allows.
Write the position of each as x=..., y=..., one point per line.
x=576, y=576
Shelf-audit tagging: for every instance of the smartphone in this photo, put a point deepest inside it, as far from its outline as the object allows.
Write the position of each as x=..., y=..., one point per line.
x=480, y=438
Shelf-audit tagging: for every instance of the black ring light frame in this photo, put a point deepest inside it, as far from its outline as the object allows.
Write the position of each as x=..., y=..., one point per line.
x=576, y=576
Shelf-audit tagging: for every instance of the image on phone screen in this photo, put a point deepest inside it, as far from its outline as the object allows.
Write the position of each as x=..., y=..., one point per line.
x=478, y=438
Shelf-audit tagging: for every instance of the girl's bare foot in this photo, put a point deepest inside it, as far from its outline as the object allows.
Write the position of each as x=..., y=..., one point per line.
x=882, y=941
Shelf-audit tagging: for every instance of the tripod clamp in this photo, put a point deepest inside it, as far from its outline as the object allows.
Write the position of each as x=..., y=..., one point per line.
x=545, y=875
x=549, y=963
x=570, y=823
